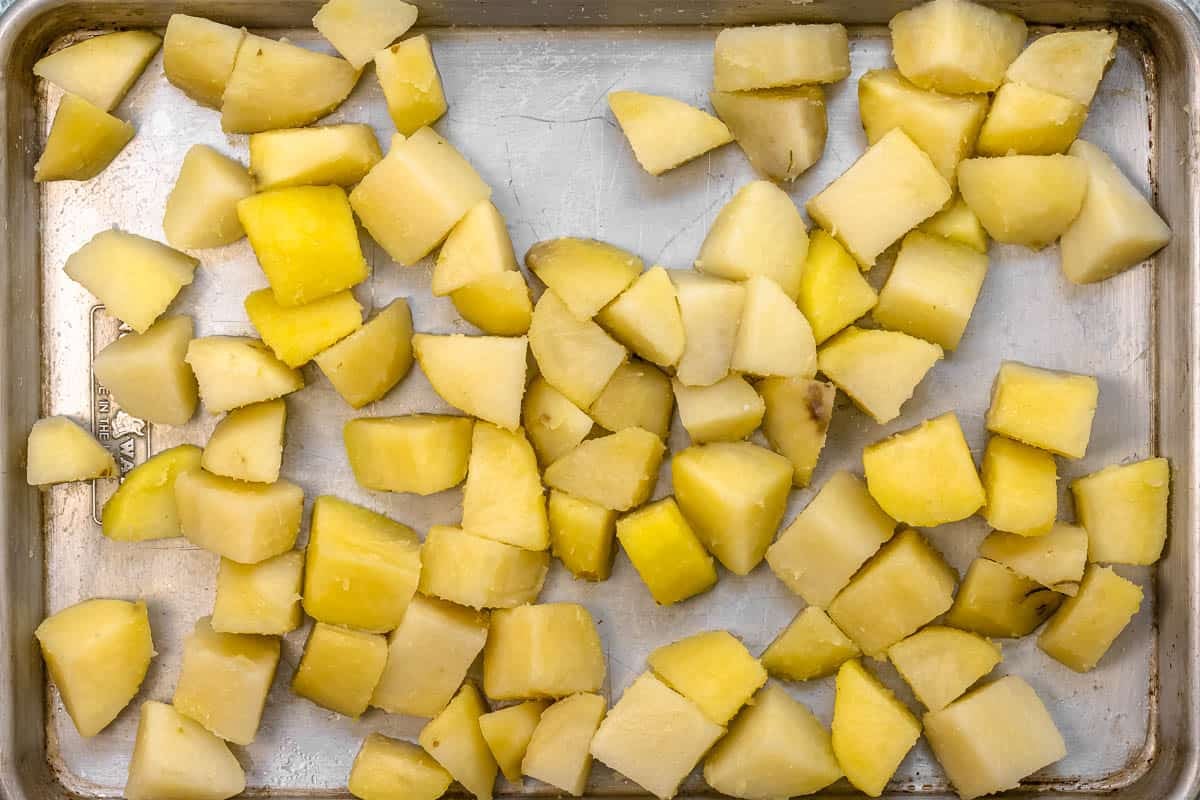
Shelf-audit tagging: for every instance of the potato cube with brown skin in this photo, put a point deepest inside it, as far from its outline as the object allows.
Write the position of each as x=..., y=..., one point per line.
x=1056, y=559
x=478, y=246
x=365, y=365
x=712, y=669
x=429, y=654
x=497, y=304
x=543, y=650
x=833, y=292
x=198, y=56
x=666, y=552
x=617, y=471
x=957, y=223
x=584, y=273
x=477, y=572
x=558, y=752
x=995, y=601
x=484, y=376
x=774, y=338
x=508, y=731
x=503, y=498
x=97, y=653
x=101, y=69
x=711, y=310
x=385, y=769
x=422, y=453
x=796, y=419
x=224, y=680
x=83, y=141
x=237, y=371
x=905, y=586
x=768, y=56
x=940, y=663
x=202, y=206
x=574, y=355
x=654, y=736
x=827, y=543
x=956, y=46
x=992, y=738
x=248, y=443
x=1068, y=63
x=325, y=154
x=879, y=370
x=664, y=132
x=340, y=668
x=892, y=188
x=454, y=739
x=1087, y=624
x=175, y=758
x=638, y=395
x=1123, y=507
x=811, y=646
x=1021, y=483
x=728, y=411
x=244, y=522
x=262, y=598
x=1029, y=121
x=646, y=318
x=781, y=131
x=411, y=84
x=298, y=333
x=147, y=375
x=581, y=535
x=143, y=507
x=872, y=730
x=1046, y=409
x=555, y=426
x=361, y=28
x=1028, y=200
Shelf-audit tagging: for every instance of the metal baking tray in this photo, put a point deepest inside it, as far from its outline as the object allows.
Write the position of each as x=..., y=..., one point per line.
x=527, y=81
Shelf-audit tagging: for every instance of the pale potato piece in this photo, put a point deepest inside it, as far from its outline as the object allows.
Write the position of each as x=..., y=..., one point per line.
x=767, y=56
x=1021, y=484
x=365, y=365
x=558, y=752
x=386, y=769
x=1056, y=559
x=1087, y=624
x=811, y=646
x=585, y=274
x=957, y=223
x=60, y=451
x=617, y=471
x=1029, y=200
x=555, y=426
x=581, y=535
x=503, y=498
x=727, y=411
x=713, y=669
x=83, y=141
x=637, y=396
x=340, y=668
x=781, y=131
x=453, y=738
x=175, y=758
x=1043, y=408
x=574, y=355
x=833, y=292
x=956, y=46
x=411, y=84
x=711, y=310
x=940, y=663
x=774, y=338
x=101, y=69
x=879, y=370
x=665, y=132
x=1029, y=121
x=143, y=507
x=296, y=334
x=201, y=209
x=421, y=453
x=248, y=443
x=1067, y=63
x=497, y=304
x=646, y=318
x=1123, y=507
x=666, y=553
x=146, y=373
x=483, y=376
x=325, y=154
x=244, y=522
x=995, y=601
x=542, y=650
x=236, y=371
x=361, y=28
x=872, y=730
x=261, y=598
x=480, y=573
x=796, y=419
x=478, y=246
x=198, y=56
x=508, y=731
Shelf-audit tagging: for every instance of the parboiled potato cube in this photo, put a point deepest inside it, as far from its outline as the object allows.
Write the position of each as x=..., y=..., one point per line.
x=365, y=365
x=712, y=669
x=305, y=240
x=1028, y=200
x=198, y=56
x=101, y=69
x=955, y=46
x=555, y=426
x=945, y=126
x=581, y=535
x=421, y=453
x=1029, y=121
x=248, y=443
x=483, y=376
x=992, y=738
x=497, y=304
x=654, y=736
x=995, y=601
x=775, y=748
x=202, y=206
x=827, y=543
x=1068, y=63
x=958, y=223
x=759, y=232
x=1123, y=507
x=574, y=355
x=664, y=132
x=646, y=318
x=261, y=598
x=325, y=154
x=508, y=731
x=1021, y=484
x=244, y=522
x=767, y=56
x=144, y=506
x=734, y=494
x=340, y=668
x=147, y=375
x=503, y=498
x=361, y=568
x=429, y=654
x=811, y=646
x=666, y=553
x=135, y=278
x=280, y=85
x=1087, y=624
x=60, y=451
x=1056, y=559
x=298, y=333
x=543, y=650
x=224, y=680
x=175, y=758
x=1042, y=408
x=1116, y=227
x=480, y=573
x=617, y=471
x=453, y=738
x=906, y=585
x=796, y=419
x=932, y=289
x=236, y=371
x=478, y=246
x=361, y=28
x=638, y=395
x=584, y=273
x=97, y=653
x=940, y=663
x=872, y=730
x=781, y=131
x=774, y=338
x=833, y=292
x=711, y=310
x=727, y=411
x=385, y=769
x=879, y=370
x=83, y=141
x=411, y=84
x=558, y=752
x=411, y=199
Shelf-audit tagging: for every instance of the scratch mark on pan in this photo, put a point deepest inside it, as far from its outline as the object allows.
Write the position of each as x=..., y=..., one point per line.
x=686, y=227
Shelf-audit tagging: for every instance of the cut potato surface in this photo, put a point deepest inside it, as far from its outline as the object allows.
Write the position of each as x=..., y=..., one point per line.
x=497, y=304
x=646, y=318
x=477, y=247
x=1123, y=507
x=83, y=141
x=261, y=598
x=146, y=373
x=781, y=131
x=617, y=471
x=508, y=731
x=665, y=552
x=60, y=451
x=956, y=46
x=1029, y=121
x=768, y=56
x=248, y=443
x=340, y=668
x=422, y=453
x=236, y=371
x=559, y=750
x=555, y=426
x=879, y=370
x=833, y=292
x=1021, y=484
x=637, y=396
x=957, y=223
x=298, y=333
x=364, y=366
x=201, y=209
x=712, y=669
x=503, y=498
x=326, y=154
x=361, y=28
x=940, y=663
x=454, y=739
x=581, y=535
x=584, y=273
x=542, y=650
x=1056, y=559
x=244, y=522
x=144, y=507
x=811, y=646
x=198, y=56
x=796, y=420
x=711, y=310
x=1068, y=63
x=995, y=601
x=101, y=69
x=175, y=758
x=774, y=338
x=1042, y=408
x=1028, y=200
x=386, y=769
x=574, y=355
x=484, y=376
x=728, y=411
x=477, y=572
x=411, y=84
x=1087, y=624
x=872, y=730
x=665, y=132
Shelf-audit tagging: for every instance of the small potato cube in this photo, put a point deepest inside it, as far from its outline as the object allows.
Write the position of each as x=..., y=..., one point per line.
x=712, y=669
x=175, y=758
x=422, y=453
x=429, y=654
x=711, y=310
x=781, y=131
x=244, y=522
x=503, y=498
x=665, y=132
x=262, y=598
x=584, y=273
x=1027, y=200
x=454, y=738
x=508, y=731
x=830, y=540
x=60, y=451
x=995, y=601
x=833, y=292
x=774, y=338
x=1087, y=624
x=365, y=365
x=955, y=46
x=905, y=586
x=727, y=411
x=811, y=646
x=617, y=471
x=477, y=572
x=544, y=650
x=666, y=553
x=147, y=375
x=654, y=736
x=879, y=370
x=477, y=247
x=1021, y=483
x=646, y=318
x=555, y=426
x=558, y=752
x=101, y=69
x=97, y=653
x=796, y=420
x=326, y=154
x=144, y=507
x=872, y=730
x=992, y=738
x=1042, y=408
x=385, y=769
x=734, y=494
x=248, y=443
x=297, y=333
x=411, y=84
x=892, y=188
x=957, y=223
x=224, y=680
x=581, y=535
x=361, y=28
x=202, y=206
x=237, y=371
x=1028, y=121
x=638, y=395
x=198, y=56
x=497, y=304
x=83, y=141
x=575, y=356
x=767, y=56
x=1123, y=507
x=483, y=376
x=1056, y=559
x=939, y=663
x=340, y=668
x=1068, y=63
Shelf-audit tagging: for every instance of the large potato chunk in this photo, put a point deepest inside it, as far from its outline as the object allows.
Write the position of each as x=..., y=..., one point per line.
x=1029, y=200
x=297, y=333
x=940, y=663
x=83, y=141
x=1087, y=624
x=581, y=535
x=236, y=371
x=995, y=601
x=202, y=206
x=261, y=598
x=878, y=370
x=244, y=522
x=1021, y=484
x=340, y=668
x=453, y=738
x=574, y=355
x=666, y=553
x=811, y=646
x=361, y=28
x=781, y=131
x=508, y=731
x=1123, y=507
x=646, y=318
x=248, y=443
x=1068, y=63
x=545, y=650
x=958, y=223
x=423, y=453
x=584, y=273
x=198, y=56
x=386, y=769
x=665, y=132
x=97, y=653
x=1042, y=408
x=872, y=730
x=102, y=69
x=411, y=84
x=637, y=396
x=1056, y=559
x=478, y=246
x=712, y=669
x=483, y=376
x=555, y=426
x=365, y=365
x=617, y=471
x=175, y=758
x=480, y=573
x=768, y=56
x=59, y=451
x=558, y=752
x=955, y=46
x=337, y=154
x=497, y=304
x=796, y=420
x=1028, y=121
x=144, y=506
x=711, y=310
x=503, y=498
x=774, y=338
x=728, y=411
x=147, y=375
x=833, y=292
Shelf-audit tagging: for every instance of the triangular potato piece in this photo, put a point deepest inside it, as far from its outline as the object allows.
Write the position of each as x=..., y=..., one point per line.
x=83, y=140
x=175, y=756
x=503, y=498
x=616, y=471
x=575, y=356
x=483, y=376
x=248, y=443
x=101, y=69
x=872, y=730
x=146, y=374
x=235, y=371
x=60, y=451
x=646, y=318
x=774, y=338
x=144, y=506
x=585, y=273
x=879, y=370
x=361, y=28
x=365, y=365
x=479, y=245
x=665, y=132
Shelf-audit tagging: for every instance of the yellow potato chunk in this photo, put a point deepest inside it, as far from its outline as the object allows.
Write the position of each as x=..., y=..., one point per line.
x=244, y=522
x=664, y=132
x=827, y=543
x=584, y=273
x=326, y=154
x=617, y=471
x=776, y=748
x=198, y=56
x=143, y=507
x=558, y=752
x=261, y=598
x=1068, y=63
x=422, y=453
x=544, y=650
x=666, y=553
x=496, y=304
x=298, y=333
x=429, y=654
x=774, y=338
x=411, y=84
x=955, y=46
x=480, y=573
x=97, y=653
x=711, y=310
x=940, y=663
x=477, y=247
x=712, y=669
x=767, y=56
x=1027, y=200
x=202, y=206
x=833, y=292
x=637, y=396
x=503, y=498
x=1042, y=408
x=508, y=731
x=879, y=370
x=781, y=131
x=365, y=365
x=574, y=355
x=361, y=28
x=872, y=730
x=248, y=443
x=796, y=420
x=175, y=758
x=905, y=586
x=646, y=318
x=957, y=223
x=727, y=411
x=101, y=69
x=147, y=375
x=995, y=601
x=811, y=646
x=387, y=769
x=83, y=141
x=1123, y=507
x=555, y=426
x=1021, y=484
x=340, y=668
x=1029, y=121
x=654, y=736
x=581, y=535
x=992, y=738
x=734, y=495
x=1087, y=624
x=237, y=371
x=453, y=738
x=1056, y=559
x=483, y=376
x=60, y=451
